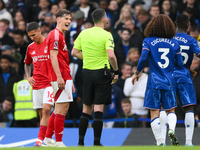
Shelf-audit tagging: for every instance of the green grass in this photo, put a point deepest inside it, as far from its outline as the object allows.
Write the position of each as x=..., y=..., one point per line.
x=107, y=148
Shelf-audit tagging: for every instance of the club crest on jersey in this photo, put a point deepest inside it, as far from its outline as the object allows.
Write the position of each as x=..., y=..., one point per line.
x=56, y=45
x=35, y=58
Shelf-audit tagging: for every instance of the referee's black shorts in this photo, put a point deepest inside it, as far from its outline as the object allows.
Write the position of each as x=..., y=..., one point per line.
x=96, y=87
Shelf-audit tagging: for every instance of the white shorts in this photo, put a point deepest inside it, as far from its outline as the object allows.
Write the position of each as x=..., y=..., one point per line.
x=43, y=96
x=63, y=96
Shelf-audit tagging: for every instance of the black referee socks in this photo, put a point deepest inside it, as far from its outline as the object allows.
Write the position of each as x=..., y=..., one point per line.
x=83, y=124
x=97, y=126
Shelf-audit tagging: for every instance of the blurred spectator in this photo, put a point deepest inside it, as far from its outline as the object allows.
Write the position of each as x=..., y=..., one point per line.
x=126, y=73
x=88, y=24
x=123, y=46
x=126, y=107
x=194, y=31
x=61, y=4
x=31, y=10
x=24, y=114
x=166, y=8
x=18, y=17
x=48, y=18
x=53, y=11
x=22, y=26
x=86, y=7
x=136, y=93
x=6, y=114
x=6, y=50
x=143, y=18
x=137, y=7
x=45, y=27
x=14, y=5
x=125, y=14
x=193, y=4
x=5, y=38
x=189, y=12
x=44, y=6
x=113, y=12
x=103, y=4
x=21, y=47
x=8, y=76
x=77, y=24
x=4, y=14
x=145, y=3
x=135, y=39
x=133, y=55
x=154, y=10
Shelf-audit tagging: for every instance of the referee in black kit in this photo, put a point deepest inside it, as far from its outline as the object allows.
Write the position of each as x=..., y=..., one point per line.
x=96, y=47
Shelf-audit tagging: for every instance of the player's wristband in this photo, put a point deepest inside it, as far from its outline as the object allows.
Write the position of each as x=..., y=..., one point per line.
x=137, y=73
x=116, y=72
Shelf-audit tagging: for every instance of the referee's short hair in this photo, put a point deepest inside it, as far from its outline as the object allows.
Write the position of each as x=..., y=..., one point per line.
x=32, y=26
x=98, y=14
x=62, y=12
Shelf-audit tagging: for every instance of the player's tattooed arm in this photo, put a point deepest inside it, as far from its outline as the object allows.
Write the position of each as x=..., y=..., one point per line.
x=30, y=79
x=27, y=69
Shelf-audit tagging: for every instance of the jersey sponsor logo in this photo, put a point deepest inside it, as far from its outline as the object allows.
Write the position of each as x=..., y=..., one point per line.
x=40, y=58
x=56, y=45
x=33, y=53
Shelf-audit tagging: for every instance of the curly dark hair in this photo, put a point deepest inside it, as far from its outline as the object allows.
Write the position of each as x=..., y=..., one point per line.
x=160, y=26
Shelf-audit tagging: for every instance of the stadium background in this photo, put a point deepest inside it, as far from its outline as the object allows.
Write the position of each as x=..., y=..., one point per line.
x=132, y=14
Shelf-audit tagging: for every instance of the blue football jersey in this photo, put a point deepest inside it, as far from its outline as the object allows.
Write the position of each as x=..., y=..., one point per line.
x=162, y=54
x=188, y=46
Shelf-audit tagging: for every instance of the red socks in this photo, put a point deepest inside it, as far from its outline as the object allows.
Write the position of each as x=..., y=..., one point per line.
x=42, y=132
x=59, y=127
x=50, y=127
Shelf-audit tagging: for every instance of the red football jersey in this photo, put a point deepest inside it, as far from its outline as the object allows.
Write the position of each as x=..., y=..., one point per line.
x=38, y=55
x=56, y=41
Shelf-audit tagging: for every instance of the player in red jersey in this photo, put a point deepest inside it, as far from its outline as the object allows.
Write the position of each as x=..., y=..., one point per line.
x=60, y=77
x=43, y=97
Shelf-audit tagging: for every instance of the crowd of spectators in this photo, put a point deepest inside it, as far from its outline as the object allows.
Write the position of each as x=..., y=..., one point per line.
x=126, y=21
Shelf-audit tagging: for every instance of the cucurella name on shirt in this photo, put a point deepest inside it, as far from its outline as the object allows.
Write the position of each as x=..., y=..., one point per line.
x=181, y=39
x=158, y=40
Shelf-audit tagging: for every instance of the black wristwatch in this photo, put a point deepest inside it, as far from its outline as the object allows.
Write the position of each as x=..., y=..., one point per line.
x=137, y=73
x=116, y=72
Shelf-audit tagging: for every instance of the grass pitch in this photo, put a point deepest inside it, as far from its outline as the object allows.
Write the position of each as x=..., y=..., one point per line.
x=108, y=148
